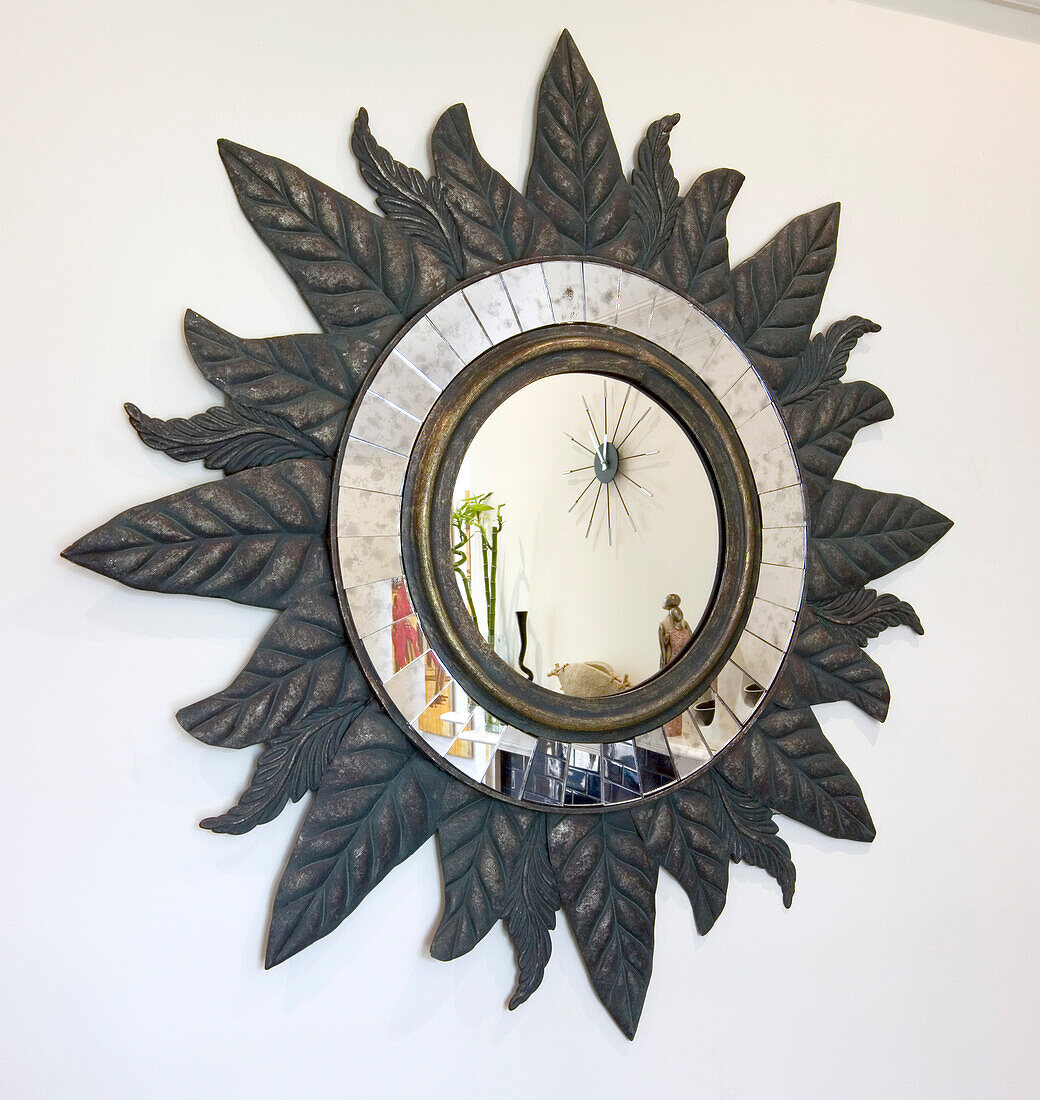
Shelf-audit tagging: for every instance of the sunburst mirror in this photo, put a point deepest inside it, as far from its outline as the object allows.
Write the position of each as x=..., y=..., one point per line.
x=550, y=515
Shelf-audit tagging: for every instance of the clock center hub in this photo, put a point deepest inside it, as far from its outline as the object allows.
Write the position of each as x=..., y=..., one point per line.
x=605, y=462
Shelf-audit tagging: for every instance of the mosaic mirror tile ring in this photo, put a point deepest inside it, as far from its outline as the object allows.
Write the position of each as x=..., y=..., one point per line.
x=404, y=387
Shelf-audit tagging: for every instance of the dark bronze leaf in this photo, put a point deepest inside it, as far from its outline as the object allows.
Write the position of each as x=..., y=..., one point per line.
x=414, y=203
x=862, y=614
x=496, y=223
x=307, y=380
x=532, y=911
x=481, y=841
x=290, y=766
x=607, y=881
x=696, y=260
x=575, y=176
x=302, y=665
x=824, y=668
x=655, y=191
x=823, y=430
x=253, y=537
x=778, y=291
x=859, y=535
x=379, y=800
x=682, y=834
x=354, y=269
x=749, y=831
x=228, y=438
x=824, y=360
x=787, y=763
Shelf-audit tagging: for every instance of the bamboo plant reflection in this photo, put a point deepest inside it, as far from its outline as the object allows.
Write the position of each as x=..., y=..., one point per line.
x=476, y=516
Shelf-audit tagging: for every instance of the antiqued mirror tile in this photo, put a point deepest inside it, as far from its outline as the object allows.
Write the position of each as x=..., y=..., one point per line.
x=635, y=302
x=724, y=363
x=722, y=728
x=784, y=546
x=407, y=690
x=383, y=425
x=362, y=512
x=620, y=772
x=602, y=284
x=457, y=323
x=783, y=507
x=654, y=760
x=760, y=660
x=584, y=783
x=771, y=623
x=490, y=302
x=775, y=469
x=729, y=687
x=426, y=350
x=547, y=773
x=566, y=291
x=745, y=397
x=763, y=433
x=367, y=558
x=370, y=606
x=780, y=584
x=690, y=751
x=366, y=467
x=529, y=295
x=404, y=387
x=669, y=319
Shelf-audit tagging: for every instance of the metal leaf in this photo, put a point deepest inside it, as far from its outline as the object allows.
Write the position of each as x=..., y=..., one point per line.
x=253, y=537
x=307, y=380
x=823, y=430
x=682, y=834
x=496, y=223
x=575, y=175
x=229, y=438
x=787, y=763
x=532, y=911
x=607, y=881
x=824, y=360
x=859, y=535
x=696, y=260
x=290, y=766
x=378, y=802
x=352, y=267
x=481, y=841
x=404, y=194
x=778, y=291
x=824, y=668
x=655, y=190
x=861, y=614
x=748, y=829
x=301, y=665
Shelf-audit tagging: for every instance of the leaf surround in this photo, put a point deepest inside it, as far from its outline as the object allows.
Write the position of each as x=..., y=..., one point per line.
x=259, y=536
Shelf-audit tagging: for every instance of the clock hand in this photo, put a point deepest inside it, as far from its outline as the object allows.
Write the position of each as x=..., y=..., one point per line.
x=610, y=540
x=592, y=425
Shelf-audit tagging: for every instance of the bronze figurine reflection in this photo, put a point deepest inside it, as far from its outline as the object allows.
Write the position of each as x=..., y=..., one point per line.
x=674, y=634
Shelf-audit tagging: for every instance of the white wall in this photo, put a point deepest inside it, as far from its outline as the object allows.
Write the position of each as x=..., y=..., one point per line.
x=131, y=939
x=590, y=598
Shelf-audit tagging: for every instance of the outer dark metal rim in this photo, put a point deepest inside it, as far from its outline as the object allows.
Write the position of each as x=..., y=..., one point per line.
x=426, y=504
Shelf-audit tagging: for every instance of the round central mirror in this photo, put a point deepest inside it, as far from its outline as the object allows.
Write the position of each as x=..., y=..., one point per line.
x=585, y=534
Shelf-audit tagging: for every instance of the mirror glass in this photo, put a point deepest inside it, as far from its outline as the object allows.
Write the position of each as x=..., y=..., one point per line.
x=584, y=516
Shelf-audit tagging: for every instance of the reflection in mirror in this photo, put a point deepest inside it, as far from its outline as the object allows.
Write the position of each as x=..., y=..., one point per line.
x=582, y=503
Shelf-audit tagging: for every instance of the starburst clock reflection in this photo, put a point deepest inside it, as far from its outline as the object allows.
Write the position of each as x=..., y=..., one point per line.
x=317, y=436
